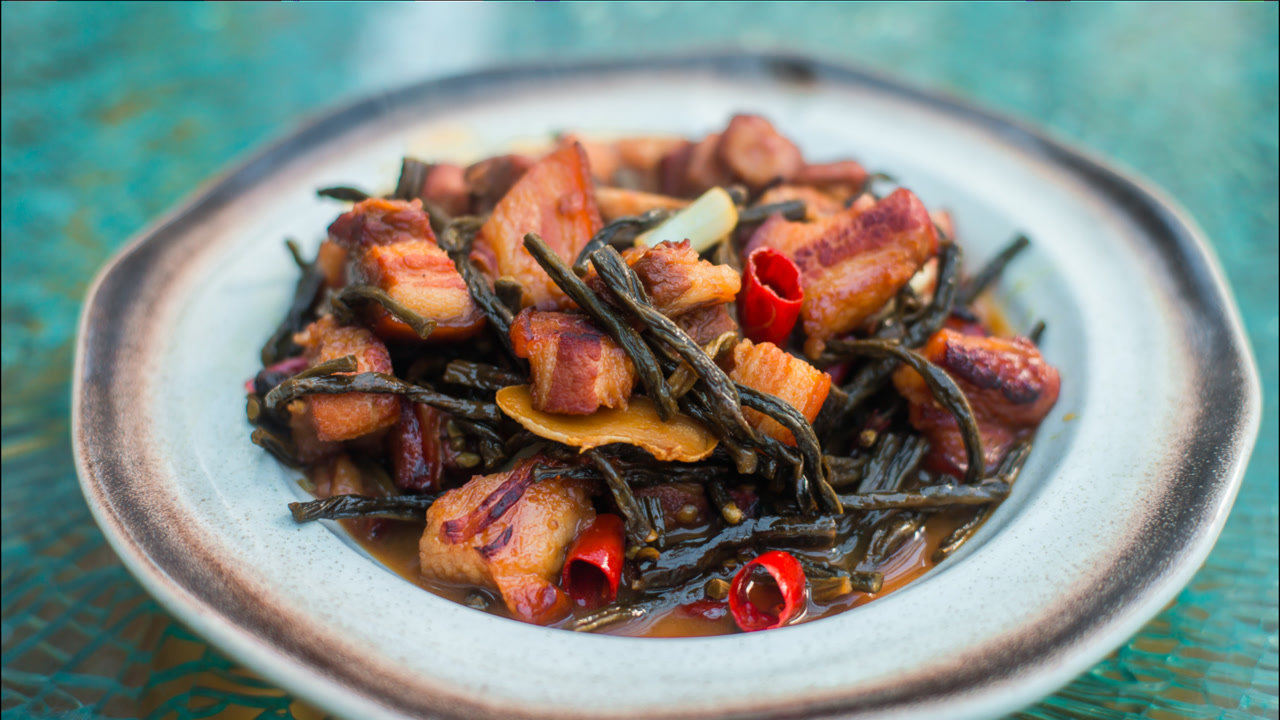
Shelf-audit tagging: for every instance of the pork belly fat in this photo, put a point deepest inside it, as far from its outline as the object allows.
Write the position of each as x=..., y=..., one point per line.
x=520, y=554
x=378, y=221
x=576, y=369
x=348, y=415
x=770, y=369
x=554, y=199
x=420, y=276
x=1007, y=382
x=852, y=263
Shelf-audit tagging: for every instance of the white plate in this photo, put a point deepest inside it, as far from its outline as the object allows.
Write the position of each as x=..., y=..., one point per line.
x=1114, y=512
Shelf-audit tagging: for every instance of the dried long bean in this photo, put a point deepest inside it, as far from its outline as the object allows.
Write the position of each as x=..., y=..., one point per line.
x=992, y=270
x=459, y=250
x=605, y=236
x=931, y=497
x=345, y=194
x=639, y=530
x=944, y=390
x=619, y=279
x=790, y=418
x=380, y=383
x=479, y=375
x=339, y=507
x=789, y=209
x=871, y=378
x=684, y=561
x=1008, y=471
x=421, y=326
x=280, y=345
x=647, y=369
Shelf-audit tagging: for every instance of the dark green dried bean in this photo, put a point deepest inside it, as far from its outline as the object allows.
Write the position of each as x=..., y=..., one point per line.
x=944, y=390
x=646, y=365
x=380, y=383
x=992, y=270
x=338, y=507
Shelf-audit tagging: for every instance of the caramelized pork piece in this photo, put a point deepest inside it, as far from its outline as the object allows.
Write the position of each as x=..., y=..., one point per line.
x=672, y=168
x=678, y=280
x=684, y=505
x=331, y=259
x=1009, y=386
x=691, y=169
x=575, y=367
x=619, y=202
x=852, y=263
x=415, y=447
x=381, y=222
x=602, y=155
x=639, y=159
x=340, y=476
x=817, y=204
x=770, y=369
x=445, y=186
x=555, y=199
x=509, y=534
x=348, y=415
x=842, y=179
x=706, y=324
x=491, y=179
x=308, y=447
x=756, y=153
x=419, y=275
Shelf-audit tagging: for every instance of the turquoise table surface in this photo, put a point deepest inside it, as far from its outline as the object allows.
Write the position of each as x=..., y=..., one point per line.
x=112, y=113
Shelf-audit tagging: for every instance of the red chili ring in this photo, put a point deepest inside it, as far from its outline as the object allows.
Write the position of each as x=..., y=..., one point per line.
x=786, y=573
x=770, y=300
x=593, y=565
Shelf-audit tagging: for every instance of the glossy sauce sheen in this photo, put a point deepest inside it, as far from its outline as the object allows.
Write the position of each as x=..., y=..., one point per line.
x=396, y=546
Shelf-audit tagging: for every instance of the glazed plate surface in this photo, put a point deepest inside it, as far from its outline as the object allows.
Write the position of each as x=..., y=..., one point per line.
x=1130, y=482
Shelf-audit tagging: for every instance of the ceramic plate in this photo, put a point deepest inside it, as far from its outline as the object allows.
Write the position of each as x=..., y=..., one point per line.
x=1128, y=487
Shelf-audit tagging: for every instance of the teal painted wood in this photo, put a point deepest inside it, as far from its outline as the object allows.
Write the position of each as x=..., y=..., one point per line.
x=113, y=113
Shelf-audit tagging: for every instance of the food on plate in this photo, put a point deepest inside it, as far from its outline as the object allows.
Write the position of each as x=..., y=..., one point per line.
x=650, y=386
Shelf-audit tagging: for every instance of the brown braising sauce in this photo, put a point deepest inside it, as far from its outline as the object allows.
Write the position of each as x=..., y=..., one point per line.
x=395, y=544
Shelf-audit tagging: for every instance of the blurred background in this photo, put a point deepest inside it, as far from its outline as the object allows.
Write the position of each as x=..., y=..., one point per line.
x=113, y=113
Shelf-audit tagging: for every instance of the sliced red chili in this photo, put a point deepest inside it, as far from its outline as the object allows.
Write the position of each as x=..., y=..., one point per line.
x=767, y=592
x=769, y=302
x=593, y=565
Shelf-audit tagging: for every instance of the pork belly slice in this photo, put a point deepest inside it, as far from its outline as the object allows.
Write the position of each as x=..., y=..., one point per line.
x=706, y=324
x=377, y=221
x=416, y=447
x=678, y=280
x=348, y=415
x=331, y=259
x=817, y=204
x=602, y=155
x=492, y=178
x=419, y=275
x=841, y=179
x=1007, y=382
x=574, y=366
x=445, y=186
x=770, y=369
x=852, y=263
x=615, y=202
x=555, y=199
x=520, y=552
x=691, y=169
x=756, y=153
x=640, y=158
